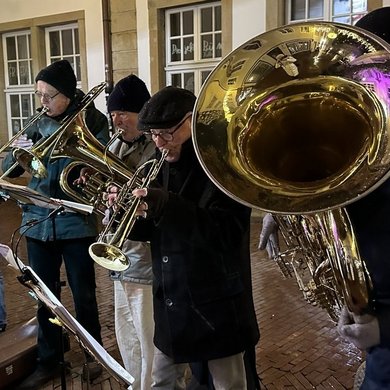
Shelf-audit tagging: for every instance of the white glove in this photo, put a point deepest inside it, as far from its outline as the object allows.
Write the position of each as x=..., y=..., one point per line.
x=22, y=142
x=362, y=331
x=269, y=238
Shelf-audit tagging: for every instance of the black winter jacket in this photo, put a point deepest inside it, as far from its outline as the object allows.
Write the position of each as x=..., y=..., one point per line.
x=203, y=304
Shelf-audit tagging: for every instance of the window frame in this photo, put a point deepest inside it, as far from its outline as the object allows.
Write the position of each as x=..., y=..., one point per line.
x=19, y=89
x=76, y=57
x=328, y=14
x=197, y=65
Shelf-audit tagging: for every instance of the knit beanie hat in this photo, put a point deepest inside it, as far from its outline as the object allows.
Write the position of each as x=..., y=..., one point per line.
x=61, y=76
x=166, y=108
x=129, y=94
x=377, y=22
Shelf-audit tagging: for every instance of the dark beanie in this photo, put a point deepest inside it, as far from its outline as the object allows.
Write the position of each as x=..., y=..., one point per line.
x=61, y=76
x=129, y=94
x=377, y=22
x=166, y=108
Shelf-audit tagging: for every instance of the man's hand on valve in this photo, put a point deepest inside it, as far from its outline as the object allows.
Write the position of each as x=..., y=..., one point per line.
x=153, y=201
x=360, y=330
x=84, y=175
x=111, y=196
x=22, y=142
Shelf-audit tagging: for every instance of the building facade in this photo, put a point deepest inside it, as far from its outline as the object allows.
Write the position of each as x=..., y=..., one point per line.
x=162, y=41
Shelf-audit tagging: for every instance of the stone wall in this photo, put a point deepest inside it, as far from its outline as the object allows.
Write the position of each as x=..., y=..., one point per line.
x=124, y=38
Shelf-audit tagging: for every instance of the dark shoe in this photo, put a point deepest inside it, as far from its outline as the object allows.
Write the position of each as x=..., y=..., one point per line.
x=39, y=377
x=91, y=370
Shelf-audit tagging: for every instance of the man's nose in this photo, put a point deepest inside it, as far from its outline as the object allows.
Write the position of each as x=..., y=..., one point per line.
x=116, y=121
x=159, y=141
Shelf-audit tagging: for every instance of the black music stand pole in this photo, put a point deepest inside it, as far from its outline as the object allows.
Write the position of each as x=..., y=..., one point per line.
x=62, y=362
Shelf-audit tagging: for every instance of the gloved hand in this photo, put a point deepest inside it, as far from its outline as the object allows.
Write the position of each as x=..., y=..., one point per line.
x=22, y=142
x=360, y=330
x=269, y=238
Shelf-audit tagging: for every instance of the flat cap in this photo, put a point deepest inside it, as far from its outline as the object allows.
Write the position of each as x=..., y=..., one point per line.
x=166, y=108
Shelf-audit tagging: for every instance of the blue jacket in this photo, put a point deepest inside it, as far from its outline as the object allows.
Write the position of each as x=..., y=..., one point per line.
x=68, y=225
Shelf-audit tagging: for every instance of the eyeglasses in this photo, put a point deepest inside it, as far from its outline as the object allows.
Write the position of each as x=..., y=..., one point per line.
x=46, y=96
x=168, y=135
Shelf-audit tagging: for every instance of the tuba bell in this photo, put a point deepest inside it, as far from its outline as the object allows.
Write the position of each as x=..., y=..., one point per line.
x=294, y=122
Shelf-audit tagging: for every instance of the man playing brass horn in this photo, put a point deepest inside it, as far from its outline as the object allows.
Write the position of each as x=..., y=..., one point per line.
x=133, y=287
x=65, y=237
x=370, y=218
x=202, y=294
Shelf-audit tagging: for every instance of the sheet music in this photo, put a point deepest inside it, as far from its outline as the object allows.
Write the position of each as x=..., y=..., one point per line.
x=6, y=252
x=26, y=195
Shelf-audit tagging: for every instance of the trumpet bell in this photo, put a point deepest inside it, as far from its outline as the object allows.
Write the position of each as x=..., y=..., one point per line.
x=295, y=120
x=108, y=256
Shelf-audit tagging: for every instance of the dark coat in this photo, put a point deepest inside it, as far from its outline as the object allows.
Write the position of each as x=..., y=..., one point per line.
x=370, y=218
x=68, y=225
x=203, y=304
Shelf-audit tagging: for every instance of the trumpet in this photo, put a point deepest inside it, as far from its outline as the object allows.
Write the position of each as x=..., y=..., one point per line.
x=18, y=134
x=106, y=251
x=32, y=160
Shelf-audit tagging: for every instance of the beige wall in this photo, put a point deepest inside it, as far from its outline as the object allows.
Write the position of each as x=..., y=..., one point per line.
x=124, y=38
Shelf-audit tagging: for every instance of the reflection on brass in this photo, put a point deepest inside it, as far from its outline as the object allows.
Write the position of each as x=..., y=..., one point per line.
x=294, y=122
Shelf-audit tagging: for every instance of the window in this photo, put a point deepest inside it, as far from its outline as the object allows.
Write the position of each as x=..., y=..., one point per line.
x=19, y=81
x=341, y=11
x=62, y=42
x=193, y=44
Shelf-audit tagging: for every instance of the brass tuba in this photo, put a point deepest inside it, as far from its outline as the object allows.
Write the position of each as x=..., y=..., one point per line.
x=295, y=122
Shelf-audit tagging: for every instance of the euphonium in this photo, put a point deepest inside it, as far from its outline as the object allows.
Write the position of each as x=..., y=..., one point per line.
x=106, y=170
x=32, y=160
x=294, y=122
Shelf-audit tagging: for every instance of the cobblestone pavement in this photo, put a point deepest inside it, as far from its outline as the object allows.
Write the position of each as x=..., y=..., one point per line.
x=299, y=346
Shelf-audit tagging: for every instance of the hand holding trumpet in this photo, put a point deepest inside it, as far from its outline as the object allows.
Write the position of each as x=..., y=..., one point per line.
x=152, y=200
x=22, y=142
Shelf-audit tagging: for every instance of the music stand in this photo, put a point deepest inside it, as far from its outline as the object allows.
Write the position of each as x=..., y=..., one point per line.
x=32, y=281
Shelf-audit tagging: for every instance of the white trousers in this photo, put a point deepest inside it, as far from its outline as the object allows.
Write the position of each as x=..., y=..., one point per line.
x=227, y=373
x=134, y=329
